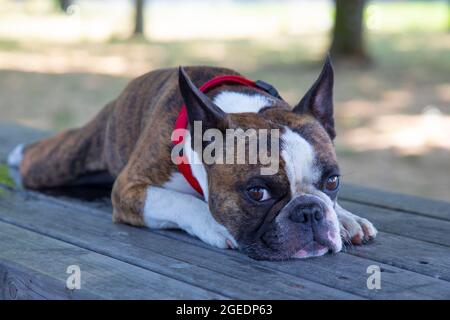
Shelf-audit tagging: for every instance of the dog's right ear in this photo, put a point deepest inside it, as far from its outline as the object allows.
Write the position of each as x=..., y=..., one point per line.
x=199, y=106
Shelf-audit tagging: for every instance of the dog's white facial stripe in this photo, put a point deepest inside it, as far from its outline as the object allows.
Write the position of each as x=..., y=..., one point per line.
x=236, y=102
x=298, y=156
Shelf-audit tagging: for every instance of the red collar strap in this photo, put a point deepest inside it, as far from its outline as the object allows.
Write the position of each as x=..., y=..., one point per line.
x=182, y=121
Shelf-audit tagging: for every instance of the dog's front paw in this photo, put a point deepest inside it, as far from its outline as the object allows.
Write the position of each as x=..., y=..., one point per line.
x=217, y=236
x=355, y=229
x=211, y=232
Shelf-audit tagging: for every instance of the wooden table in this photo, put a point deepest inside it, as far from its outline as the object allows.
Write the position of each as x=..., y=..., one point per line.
x=42, y=235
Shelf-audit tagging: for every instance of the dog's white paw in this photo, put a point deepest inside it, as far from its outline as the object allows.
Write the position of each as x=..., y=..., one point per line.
x=218, y=236
x=15, y=156
x=214, y=234
x=167, y=208
x=355, y=229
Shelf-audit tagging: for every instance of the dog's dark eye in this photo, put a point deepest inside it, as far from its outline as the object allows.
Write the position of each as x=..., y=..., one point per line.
x=259, y=194
x=332, y=183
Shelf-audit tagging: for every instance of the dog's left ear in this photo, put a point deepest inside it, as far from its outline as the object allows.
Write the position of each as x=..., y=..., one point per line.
x=199, y=106
x=318, y=101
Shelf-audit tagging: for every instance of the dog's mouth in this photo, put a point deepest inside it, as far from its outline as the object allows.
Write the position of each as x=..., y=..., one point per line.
x=286, y=239
x=261, y=251
x=312, y=249
x=275, y=248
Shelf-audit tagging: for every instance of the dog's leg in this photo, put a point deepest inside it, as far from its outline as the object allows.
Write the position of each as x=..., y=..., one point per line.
x=165, y=207
x=62, y=159
x=155, y=207
x=353, y=228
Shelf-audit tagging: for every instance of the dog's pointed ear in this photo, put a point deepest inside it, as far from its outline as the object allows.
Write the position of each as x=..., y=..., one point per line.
x=199, y=106
x=318, y=101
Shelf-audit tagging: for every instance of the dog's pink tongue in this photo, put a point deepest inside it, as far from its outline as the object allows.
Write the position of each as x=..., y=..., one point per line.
x=313, y=249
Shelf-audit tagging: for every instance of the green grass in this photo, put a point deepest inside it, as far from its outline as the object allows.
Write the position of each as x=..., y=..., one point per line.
x=9, y=45
x=5, y=178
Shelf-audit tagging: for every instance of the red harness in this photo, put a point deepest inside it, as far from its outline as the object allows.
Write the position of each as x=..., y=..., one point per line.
x=182, y=121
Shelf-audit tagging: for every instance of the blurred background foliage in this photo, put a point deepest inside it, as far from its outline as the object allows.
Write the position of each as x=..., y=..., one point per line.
x=62, y=61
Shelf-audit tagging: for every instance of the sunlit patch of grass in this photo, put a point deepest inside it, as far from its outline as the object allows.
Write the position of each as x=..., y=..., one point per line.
x=412, y=16
x=424, y=59
x=407, y=134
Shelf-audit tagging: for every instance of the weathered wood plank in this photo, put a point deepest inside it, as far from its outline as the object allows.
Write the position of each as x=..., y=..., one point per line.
x=22, y=283
x=348, y=273
x=416, y=255
x=409, y=254
x=396, y=201
x=179, y=260
x=101, y=276
x=347, y=270
x=405, y=224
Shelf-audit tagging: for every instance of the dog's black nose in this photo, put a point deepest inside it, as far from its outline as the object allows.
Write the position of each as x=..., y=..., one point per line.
x=305, y=213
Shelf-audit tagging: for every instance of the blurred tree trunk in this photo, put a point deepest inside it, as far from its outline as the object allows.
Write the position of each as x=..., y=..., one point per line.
x=348, y=32
x=139, y=18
